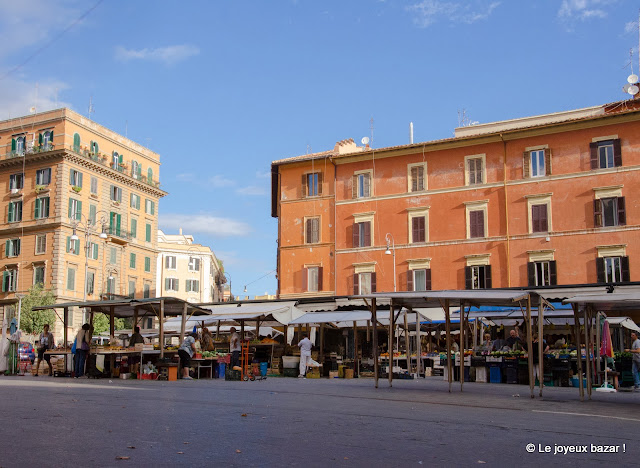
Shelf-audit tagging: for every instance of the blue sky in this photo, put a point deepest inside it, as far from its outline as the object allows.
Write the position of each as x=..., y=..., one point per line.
x=222, y=88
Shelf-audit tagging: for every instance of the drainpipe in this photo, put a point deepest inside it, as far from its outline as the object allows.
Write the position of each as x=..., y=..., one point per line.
x=506, y=208
x=335, y=256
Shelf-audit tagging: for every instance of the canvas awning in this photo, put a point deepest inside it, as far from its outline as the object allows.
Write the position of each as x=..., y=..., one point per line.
x=281, y=312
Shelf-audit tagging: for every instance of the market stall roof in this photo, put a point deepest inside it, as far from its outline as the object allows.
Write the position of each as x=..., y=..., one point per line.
x=614, y=304
x=125, y=308
x=279, y=311
x=474, y=297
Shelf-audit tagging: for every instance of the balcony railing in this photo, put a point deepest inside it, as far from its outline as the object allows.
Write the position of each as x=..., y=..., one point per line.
x=118, y=232
x=99, y=158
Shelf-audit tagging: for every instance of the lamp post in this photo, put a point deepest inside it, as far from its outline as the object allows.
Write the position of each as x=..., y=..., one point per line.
x=391, y=243
x=88, y=227
x=228, y=276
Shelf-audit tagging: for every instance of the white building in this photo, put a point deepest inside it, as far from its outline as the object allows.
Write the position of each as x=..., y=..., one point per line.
x=186, y=270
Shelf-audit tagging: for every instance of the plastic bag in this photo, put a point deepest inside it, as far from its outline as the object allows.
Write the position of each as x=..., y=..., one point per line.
x=73, y=348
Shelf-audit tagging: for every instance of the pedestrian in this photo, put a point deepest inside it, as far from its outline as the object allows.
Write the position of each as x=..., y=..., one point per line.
x=234, y=348
x=206, y=342
x=83, y=340
x=185, y=352
x=305, y=355
x=45, y=343
x=635, y=363
x=136, y=337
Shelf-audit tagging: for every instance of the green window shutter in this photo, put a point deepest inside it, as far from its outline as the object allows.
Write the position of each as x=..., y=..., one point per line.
x=95, y=251
x=92, y=214
x=120, y=159
x=147, y=264
x=11, y=212
x=148, y=233
x=118, y=220
x=68, y=243
x=13, y=148
x=112, y=255
x=139, y=171
x=134, y=228
x=5, y=275
x=76, y=247
x=76, y=142
x=37, y=209
x=150, y=175
x=70, y=176
x=79, y=179
x=70, y=206
x=79, y=212
x=40, y=139
x=7, y=249
x=166, y=284
x=132, y=260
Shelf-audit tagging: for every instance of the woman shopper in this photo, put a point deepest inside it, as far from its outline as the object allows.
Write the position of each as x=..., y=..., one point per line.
x=83, y=340
x=185, y=352
x=45, y=343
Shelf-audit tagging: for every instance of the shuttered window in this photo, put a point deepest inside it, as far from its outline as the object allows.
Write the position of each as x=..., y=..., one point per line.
x=476, y=223
x=15, y=212
x=41, y=243
x=41, y=208
x=43, y=176
x=362, y=234
x=613, y=269
x=312, y=231
x=419, y=279
x=94, y=185
x=134, y=228
x=475, y=169
x=12, y=248
x=361, y=185
x=605, y=154
x=312, y=184
x=132, y=260
x=75, y=178
x=417, y=178
x=418, y=233
x=71, y=279
x=147, y=264
x=147, y=234
x=312, y=279
x=75, y=209
x=609, y=212
x=542, y=273
x=364, y=283
x=477, y=277
x=539, y=218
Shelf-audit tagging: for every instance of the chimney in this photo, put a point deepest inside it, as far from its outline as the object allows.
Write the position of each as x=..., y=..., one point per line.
x=180, y=231
x=411, y=133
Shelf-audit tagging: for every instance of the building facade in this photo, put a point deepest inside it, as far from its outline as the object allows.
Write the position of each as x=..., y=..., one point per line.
x=188, y=271
x=80, y=208
x=541, y=201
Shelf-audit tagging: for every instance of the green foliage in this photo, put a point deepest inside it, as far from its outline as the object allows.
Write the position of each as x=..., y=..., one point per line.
x=32, y=321
x=101, y=323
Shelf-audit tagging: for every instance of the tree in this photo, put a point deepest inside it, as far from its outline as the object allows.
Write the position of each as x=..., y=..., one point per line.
x=32, y=321
x=101, y=323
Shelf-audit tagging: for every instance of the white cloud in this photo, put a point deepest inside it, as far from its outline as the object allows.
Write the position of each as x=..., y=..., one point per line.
x=263, y=175
x=583, y=9
x=18, y=96
x=428, y=12
x=204, y=224
x=631, y=27
x=168, y=55
x=218, y=181
x=186, y=177
x=252, y=190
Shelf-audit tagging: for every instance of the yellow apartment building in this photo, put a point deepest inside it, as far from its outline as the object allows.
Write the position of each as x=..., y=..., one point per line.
x=188, y=271
x=80, y=210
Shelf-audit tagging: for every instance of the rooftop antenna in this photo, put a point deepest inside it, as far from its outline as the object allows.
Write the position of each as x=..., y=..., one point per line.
x=371, y=128
x=411, y=133
x=91, y=109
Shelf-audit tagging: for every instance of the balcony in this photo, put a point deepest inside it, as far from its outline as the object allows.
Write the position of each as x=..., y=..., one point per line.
x=118, y=235
x=98, y=158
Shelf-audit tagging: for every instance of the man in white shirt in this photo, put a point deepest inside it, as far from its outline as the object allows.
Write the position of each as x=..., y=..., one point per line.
x=234, y=348
x=635, y=363
x=305, y=355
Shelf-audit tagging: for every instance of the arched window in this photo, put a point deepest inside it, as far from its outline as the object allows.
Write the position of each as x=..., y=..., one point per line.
x=150, y=176
x=76, y=142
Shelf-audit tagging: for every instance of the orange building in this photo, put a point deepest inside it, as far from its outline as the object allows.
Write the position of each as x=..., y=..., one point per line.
x=539, y=201
x=80, y=210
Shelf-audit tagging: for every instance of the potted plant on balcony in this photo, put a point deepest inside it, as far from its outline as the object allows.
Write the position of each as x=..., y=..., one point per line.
x=41, y=188
x=76, y=189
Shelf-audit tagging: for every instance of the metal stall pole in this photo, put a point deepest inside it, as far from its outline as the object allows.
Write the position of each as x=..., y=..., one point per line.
x=461, y=346
x=540, y=344
x=418, y=344
x=597, y=349
x=530, y=345
x=447, y=318
x=374, y=341
x=356, y=367
x=588, y=347
x=183, y=323
x=65, y=316
x=161, y=328
x=576, y=318
x=407, y=343
x=391, y=327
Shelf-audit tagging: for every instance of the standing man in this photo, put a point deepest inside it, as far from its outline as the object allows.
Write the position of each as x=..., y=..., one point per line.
x=305, y=355
x=635, y=363
x=46, y=342
x=234, y=348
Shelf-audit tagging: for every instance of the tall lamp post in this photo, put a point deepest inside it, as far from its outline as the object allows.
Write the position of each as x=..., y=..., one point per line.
x=89, y=229
x=228, y=276
x=391, y=243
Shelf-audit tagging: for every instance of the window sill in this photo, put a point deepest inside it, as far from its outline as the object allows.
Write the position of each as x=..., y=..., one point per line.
x=16, y=194
x=94, y=196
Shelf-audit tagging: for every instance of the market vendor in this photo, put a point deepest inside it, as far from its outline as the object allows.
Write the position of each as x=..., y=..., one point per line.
x=136, y=337
x=185, y=352
x=514, y=342
x=45, y=343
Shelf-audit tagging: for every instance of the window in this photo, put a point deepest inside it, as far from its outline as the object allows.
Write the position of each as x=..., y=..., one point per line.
x=41, y=243
x=193, y=285
x=477, y=277
x=171, y=284
x=46, y=140
x=474, y=169
x=116, y=193
x=135, y=201
x=76, y=142
x=18, y=145
x=113, y=255
x=15, y=211
x=92, y=250
x=362, y=234
x=38, y=275
x=149, y=206
x=71, y=279
x=73, y=246
x=476, y=223
x=147, y=233
x=539, y=218
x=90, y=282
x=75, y=209
x=136, y=170
x=132, y=260
x=116, y=160
x=417, y=225
x=41, y=210
x=16, y=181
x=146, y=292
x=536, y=162
x=150, y=176
x=92, y=214
x=12, y=248
x=613, y=269
x=132, y=289
x=194, y=264
x=605, y=154
x=94, y=185
x=312, y=279
x=362, y=184
x=417, y=173
x=115, y=222
x=75, y=178
x=542, y=273
x=43, y=176
x=364, y=283
x=609, y=211
x=312, y=230
x=312, y=184
x=147, y=264
x=419, y=279
x=9, y=280
x=111, y=285
x=134, y=228
x=170, y=262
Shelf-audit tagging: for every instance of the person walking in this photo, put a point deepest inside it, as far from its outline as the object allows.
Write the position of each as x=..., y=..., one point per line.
x=305, y=355
x=234, y=348
x=83, y=340
x=185, y=352
x=635, y=363
x=45, y=343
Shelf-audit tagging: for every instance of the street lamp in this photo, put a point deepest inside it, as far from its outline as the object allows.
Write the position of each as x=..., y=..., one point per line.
x=391, y=243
